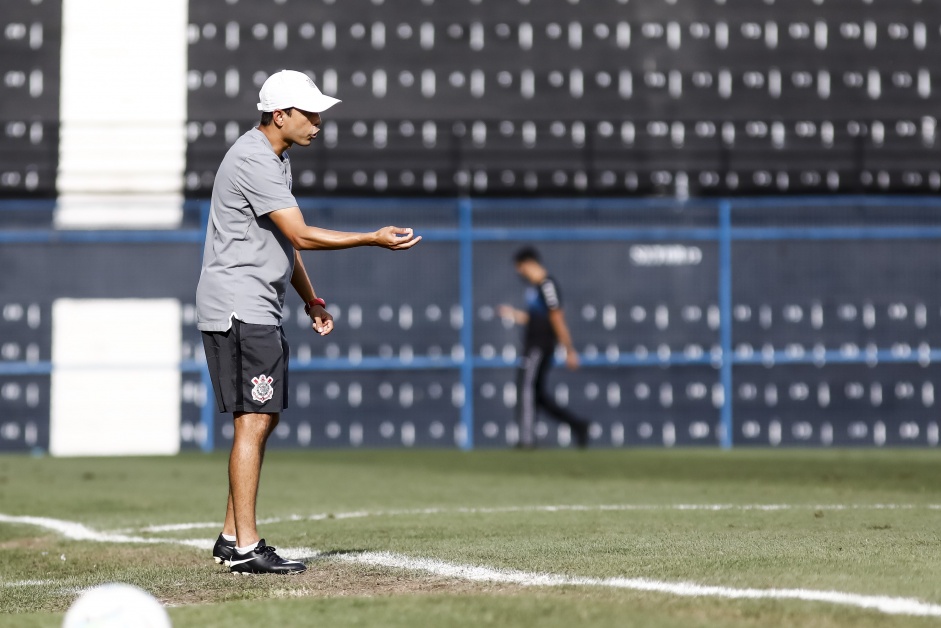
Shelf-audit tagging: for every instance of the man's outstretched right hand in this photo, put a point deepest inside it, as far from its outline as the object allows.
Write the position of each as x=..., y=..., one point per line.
x=396, y=238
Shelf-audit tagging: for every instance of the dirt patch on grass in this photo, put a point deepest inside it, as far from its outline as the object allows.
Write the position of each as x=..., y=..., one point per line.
x=40, y=542
x=180, y=577
x=324, y=578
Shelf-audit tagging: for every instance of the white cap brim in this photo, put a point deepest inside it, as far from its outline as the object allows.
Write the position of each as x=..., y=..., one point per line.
x=311, y=104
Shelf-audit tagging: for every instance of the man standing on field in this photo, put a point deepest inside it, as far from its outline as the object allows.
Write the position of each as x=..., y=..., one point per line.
x=253, y=240
x=545, y=328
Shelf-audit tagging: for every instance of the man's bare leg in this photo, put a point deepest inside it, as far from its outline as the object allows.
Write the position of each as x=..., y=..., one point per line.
x=248, y=452
x=229, y=527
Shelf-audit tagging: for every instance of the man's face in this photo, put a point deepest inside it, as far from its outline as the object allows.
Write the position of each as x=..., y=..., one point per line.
x=526, y=270
x=300, y=128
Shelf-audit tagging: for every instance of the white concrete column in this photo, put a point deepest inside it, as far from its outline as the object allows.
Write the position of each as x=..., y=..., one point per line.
x=116, y=381
x=122, y=148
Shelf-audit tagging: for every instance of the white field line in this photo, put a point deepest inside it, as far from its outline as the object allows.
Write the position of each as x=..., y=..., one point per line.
x=79, y=532
x=360, y=514
x=64, y=586
x=881, y=603
x=28, y=583
x=884, y=604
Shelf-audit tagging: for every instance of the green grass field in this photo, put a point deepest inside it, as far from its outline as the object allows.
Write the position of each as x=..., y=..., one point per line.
x=860, y=522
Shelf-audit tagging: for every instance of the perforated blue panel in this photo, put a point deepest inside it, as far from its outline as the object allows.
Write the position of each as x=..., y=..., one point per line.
x=833, y=315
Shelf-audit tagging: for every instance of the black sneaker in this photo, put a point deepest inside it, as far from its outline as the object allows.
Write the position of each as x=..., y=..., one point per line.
x=263, y=559
x=222, y=551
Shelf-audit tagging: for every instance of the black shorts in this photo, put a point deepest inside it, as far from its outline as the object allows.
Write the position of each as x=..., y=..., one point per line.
x=248, y=365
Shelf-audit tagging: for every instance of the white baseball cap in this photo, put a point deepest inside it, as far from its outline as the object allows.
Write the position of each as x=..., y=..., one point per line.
x=287, y=88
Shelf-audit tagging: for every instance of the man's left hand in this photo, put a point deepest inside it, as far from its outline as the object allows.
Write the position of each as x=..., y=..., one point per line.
x=323, y=321
x=571, y=360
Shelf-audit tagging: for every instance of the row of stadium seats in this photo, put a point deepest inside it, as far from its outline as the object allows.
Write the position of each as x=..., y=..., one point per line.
x=33, y=316
x=600, y=330
x=377, y=135
x=815, y=315
x=608, y=31
x=606, y=392
x=572, y=6
x=813, y=90
x=27, y=393
x=664, y=181
x=616, y=433
x=604, y=87
x=849, y=432
x=611, y=352
x=854, y=415
x=823, y=394
x=635, y=389
x=526, y=33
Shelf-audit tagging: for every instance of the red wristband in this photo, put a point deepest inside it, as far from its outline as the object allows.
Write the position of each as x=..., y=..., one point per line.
x=312, y=303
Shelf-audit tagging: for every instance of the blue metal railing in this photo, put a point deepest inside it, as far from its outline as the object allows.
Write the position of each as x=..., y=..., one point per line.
x=725, y=320
x=466, y=226
x=466, y=234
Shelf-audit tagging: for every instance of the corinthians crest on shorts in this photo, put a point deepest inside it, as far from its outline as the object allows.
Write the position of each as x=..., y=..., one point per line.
x=262, y=390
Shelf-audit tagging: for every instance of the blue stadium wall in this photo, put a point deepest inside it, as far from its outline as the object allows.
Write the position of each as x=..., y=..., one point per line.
x=811, y=322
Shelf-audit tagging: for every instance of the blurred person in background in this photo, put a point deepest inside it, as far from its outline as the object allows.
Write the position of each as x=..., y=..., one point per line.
x=253, y=242
x=545, y=327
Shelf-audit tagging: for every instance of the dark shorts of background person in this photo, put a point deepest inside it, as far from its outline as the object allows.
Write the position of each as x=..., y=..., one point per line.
x=532, y=387
x=248, y=365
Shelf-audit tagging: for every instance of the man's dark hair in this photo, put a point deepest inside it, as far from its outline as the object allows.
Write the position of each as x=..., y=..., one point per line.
x=525, y=254
x=267, y=117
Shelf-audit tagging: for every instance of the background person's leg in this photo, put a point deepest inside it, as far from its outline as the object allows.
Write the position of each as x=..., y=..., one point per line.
x=526, y=390
x=547, y=402
x=248, y=453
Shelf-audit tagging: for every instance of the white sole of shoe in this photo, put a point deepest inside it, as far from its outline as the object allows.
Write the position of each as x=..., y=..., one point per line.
x=285, y=573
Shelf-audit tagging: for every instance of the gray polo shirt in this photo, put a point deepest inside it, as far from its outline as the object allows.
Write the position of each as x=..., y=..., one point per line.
x=247, y=261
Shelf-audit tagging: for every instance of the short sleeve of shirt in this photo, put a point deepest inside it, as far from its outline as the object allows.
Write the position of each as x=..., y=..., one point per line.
x=550, y=294
x=262, y=181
